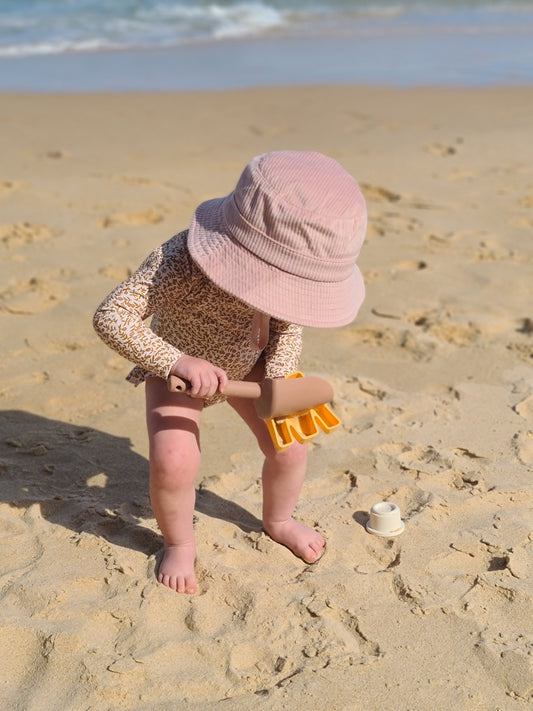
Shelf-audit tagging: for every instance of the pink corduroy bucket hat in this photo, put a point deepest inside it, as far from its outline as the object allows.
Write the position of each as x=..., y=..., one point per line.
x=286, y=240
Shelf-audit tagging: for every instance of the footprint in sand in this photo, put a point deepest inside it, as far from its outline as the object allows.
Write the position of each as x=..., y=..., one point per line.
x=525, y=223
x=508, y=661
x=18, y=234
x=405, y=265
x=497, y=602
x=391, y=223
x=423, y=459
x=444, y=239
x=484, y=247
x=244, y=657
x=8, y=186
x=523, y=446
x=417, y=347
x=490, y=250
x=144, y=217
x=524, y=408
x=441, y=239
x=441, y=326
x=56, y=154
x=409, y=265
x=35, y=295
x=322, y=618
x=444, y=149
x=411, y=499
x=376, y=193
x=526, y=201
x=526, y=326
x=461, y=174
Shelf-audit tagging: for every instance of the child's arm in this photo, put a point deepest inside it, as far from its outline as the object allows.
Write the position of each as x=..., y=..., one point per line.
x=283, y=350
x=119, y=320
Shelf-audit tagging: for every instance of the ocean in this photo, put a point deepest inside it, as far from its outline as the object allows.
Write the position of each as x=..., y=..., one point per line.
x=165, y=45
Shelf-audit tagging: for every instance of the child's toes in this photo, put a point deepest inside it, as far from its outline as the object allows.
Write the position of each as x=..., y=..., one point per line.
x=189, y=587
x=315, y=552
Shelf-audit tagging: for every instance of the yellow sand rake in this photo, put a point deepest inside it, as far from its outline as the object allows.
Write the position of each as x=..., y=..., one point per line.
x=294, y=408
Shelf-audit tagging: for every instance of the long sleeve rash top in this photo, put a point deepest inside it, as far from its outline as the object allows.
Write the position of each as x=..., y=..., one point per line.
x=193, y=316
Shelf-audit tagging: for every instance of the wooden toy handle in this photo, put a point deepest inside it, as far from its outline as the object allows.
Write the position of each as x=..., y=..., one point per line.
x=177, y=385
x=273, y=397
x=234, y=388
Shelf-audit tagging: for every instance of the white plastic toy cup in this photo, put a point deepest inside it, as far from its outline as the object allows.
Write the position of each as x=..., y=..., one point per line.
x=385, y=520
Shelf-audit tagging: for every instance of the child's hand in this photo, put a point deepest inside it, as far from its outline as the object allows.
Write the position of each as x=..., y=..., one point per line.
x=205, y=378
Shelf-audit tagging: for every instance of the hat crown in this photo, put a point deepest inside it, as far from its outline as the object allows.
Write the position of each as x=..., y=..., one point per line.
x=286, y=240
x=303, y=181
x=300, y=212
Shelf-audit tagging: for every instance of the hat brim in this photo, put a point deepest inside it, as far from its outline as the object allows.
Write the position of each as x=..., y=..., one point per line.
x=284, y=296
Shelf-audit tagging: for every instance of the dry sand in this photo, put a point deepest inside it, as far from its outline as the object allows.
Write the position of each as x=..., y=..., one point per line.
x=433, y=382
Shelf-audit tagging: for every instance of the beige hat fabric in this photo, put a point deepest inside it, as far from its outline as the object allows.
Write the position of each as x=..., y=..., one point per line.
x=286, y=240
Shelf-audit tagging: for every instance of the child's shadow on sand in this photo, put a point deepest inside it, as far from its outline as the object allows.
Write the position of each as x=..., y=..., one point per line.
x=89, y=481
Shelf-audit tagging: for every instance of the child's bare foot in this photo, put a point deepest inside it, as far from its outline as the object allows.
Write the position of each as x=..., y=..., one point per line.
x=304, y=542
x=176, y=570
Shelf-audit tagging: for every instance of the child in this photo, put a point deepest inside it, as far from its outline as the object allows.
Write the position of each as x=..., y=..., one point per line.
x=228, y=298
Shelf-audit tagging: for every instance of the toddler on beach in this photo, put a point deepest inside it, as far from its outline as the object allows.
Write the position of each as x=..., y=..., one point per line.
x=228, y=299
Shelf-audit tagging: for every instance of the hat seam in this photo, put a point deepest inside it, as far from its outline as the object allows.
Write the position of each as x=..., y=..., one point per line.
x=275, y=268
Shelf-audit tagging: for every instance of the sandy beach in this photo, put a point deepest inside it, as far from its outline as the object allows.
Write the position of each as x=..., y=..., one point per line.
x=433, y=384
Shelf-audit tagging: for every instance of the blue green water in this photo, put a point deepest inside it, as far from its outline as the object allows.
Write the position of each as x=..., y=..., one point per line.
x=52, y=45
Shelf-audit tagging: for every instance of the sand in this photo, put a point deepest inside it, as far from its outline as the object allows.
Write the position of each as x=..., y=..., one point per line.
x=433, y=384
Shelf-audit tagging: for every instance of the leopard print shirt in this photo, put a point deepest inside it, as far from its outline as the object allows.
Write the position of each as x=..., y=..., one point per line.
x=190, y=315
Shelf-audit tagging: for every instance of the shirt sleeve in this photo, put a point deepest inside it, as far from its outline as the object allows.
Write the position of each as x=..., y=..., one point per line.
x=119, y=320
x=283, y=350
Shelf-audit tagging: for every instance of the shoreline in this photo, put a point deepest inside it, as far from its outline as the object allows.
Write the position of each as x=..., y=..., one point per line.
x=430, y=59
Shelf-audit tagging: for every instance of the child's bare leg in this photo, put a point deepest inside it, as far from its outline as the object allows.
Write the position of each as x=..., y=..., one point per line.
x=173, y=431
x=283, y=478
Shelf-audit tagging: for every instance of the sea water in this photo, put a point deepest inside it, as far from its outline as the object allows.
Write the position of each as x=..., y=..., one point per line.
x=176, y=44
